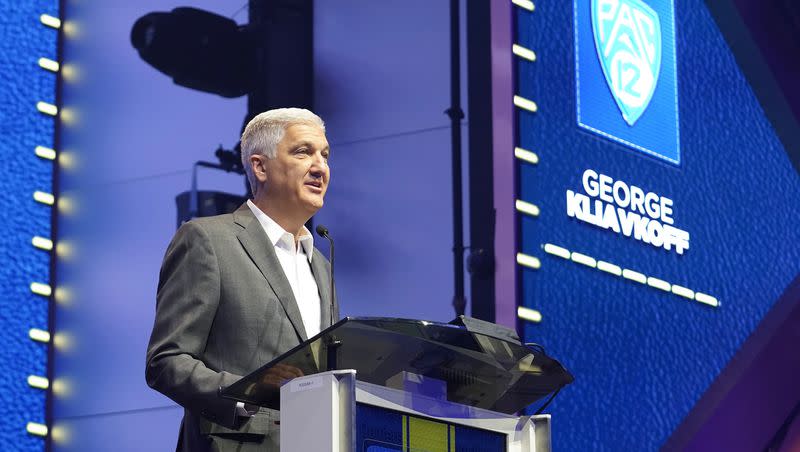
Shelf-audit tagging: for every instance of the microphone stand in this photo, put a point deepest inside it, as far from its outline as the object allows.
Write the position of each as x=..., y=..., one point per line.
x=333, y=344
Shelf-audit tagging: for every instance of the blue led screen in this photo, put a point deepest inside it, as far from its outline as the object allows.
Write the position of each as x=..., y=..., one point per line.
x=653, y=271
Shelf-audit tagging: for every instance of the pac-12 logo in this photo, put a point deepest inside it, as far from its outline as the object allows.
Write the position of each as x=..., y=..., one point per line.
x=627, y=35
x=626, y=73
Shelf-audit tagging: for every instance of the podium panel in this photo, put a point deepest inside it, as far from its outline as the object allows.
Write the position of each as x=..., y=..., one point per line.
x=333, y=412
x=382, y=430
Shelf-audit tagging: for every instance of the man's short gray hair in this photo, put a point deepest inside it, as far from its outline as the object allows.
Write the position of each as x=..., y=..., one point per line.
x=263, y=133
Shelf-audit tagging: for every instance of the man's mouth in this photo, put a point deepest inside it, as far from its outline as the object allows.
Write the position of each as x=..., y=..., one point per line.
x=315, y=185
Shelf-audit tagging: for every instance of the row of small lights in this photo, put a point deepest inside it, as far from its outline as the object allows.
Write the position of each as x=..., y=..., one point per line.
x=531, y=315
x=527, y=208
x=43, y=243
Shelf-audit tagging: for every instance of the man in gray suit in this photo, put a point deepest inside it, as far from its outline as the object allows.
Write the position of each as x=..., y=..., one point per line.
x=237, y=290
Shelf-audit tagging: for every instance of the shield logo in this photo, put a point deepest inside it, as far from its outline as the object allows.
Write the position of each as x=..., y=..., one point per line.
x=627, y=37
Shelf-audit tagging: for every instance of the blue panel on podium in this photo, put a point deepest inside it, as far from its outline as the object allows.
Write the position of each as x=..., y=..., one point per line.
x=382, y=430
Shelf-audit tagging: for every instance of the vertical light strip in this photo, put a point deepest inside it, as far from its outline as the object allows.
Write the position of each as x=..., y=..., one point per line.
x=52, y=109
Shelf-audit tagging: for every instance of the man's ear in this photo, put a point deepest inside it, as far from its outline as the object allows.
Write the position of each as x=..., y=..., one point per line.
x=257, y=163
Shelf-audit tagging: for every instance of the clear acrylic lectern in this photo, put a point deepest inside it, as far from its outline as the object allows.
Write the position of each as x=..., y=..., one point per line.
x=383, y=384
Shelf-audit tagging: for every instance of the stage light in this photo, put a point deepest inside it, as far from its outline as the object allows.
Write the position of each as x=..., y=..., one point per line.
x=35, y=428
x=39, y=335
x=659, y=284
x=526, y=156
x=529, y=314
x=41, y=289
x=45, y=153
x=528, y=261
x=42, y=243
x=67, y=205
x=64, y=341
x=525, y=4
x=584, y=259
x=63, y=296
x=634, y=276
x=608, y=267
x=198, y=49
x=706, y=299
x=556, y=250
x=528, y=208
x=50, y=21
x=47, y=63
x=69, y=116
x=48, y=109
x=523, y=52
x=67, y=160
x=525, y=104
x=38, y=382
x=70, y=73
x=65, y=250
x=683, y=291
x=61, y=434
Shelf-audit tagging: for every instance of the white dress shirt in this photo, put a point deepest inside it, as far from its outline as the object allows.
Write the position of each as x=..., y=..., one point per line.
x=295, y=260
x=296, y=263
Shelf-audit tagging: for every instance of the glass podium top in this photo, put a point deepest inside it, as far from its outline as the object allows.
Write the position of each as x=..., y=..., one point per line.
x=481, y=370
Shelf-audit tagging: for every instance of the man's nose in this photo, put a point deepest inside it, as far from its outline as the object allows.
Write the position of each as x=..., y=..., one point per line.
x=319, y=165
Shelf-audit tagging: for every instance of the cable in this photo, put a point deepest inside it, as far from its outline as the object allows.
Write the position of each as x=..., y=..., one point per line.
x=538, y=348
x=539, y=411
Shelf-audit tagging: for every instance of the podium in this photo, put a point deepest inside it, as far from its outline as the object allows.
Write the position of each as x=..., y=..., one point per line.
x=385, y=385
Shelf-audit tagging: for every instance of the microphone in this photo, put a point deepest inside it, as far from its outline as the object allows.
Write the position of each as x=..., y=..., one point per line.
x=322, y=231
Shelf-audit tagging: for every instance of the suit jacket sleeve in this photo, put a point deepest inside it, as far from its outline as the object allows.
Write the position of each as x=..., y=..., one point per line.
x=186, y=303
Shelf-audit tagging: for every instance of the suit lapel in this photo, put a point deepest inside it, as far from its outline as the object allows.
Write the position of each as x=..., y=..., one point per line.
x=262, y=252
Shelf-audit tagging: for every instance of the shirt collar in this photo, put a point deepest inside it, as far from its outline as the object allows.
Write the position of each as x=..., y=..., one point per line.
x=279, y=237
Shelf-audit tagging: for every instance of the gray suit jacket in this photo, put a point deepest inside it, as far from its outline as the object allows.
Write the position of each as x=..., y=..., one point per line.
x=224, y=308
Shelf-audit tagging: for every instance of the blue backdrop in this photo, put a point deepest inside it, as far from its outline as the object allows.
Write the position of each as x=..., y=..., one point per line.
x=643, y=356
